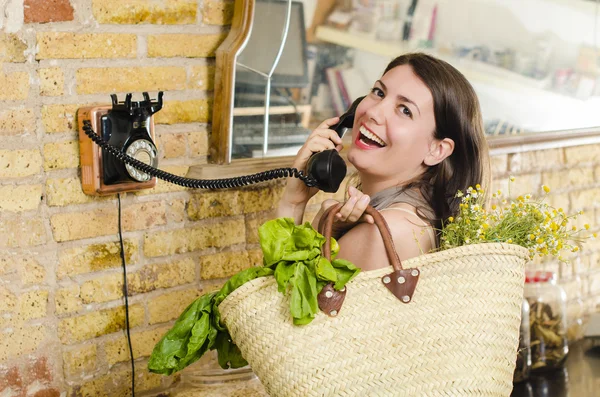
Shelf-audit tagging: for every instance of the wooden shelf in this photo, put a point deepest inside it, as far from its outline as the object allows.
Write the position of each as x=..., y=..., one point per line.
x=304, y=110
x=473, y=70
x=362, y=42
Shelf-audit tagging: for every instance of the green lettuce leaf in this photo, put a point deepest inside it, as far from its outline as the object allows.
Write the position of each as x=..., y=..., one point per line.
x=199, y=329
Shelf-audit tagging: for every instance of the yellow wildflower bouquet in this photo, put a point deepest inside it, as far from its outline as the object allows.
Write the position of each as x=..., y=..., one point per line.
x=524, y=221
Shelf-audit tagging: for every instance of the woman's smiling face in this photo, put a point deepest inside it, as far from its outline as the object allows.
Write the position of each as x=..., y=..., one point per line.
x=393, y=128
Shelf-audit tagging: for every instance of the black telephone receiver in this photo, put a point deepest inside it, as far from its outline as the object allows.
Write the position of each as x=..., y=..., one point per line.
x=327, y=167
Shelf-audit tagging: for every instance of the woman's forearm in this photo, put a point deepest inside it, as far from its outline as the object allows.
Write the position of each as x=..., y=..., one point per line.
x=289, y=210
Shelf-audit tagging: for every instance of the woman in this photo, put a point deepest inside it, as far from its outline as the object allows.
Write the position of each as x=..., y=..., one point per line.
x=417, y=139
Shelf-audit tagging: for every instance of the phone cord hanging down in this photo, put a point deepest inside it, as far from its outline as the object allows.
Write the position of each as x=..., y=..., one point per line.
x=198, y=183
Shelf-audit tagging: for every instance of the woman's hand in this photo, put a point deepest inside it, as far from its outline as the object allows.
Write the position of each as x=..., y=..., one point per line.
x=351, y=213
x=296, y=193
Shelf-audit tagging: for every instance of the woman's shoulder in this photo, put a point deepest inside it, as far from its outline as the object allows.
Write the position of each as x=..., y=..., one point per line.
x=410, y=235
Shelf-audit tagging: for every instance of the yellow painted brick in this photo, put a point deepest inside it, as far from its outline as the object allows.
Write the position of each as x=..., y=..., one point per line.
x=61, y=155
x=12, y=48
x=198, y=143
x=169, y=306
x=33, y=304
x=225, y=264
x=166, y=275
x=559, y=200
x=560, y=179
x=193, y=111
x=535, y=160
x=202, y=78
x=582, y=154
x=142, y=216
x=103, y=221
x=167, y=12
x=95, y=257
x=7, y=265
x=499, y=164
x=214, y=204
x=67, y=191
x=67, y=300
x=52, y=82
x=222, y=234
x=79, y=225
x=97, y=323
x=22, y=232
x=176, y=211
x=31, y=272
x=584, y=199
x=526, y=184
x=19, y=163
x=15, y=86
x=8, y=303
x=142, y=344
x=149, y=278
x=80, y=361
x=253, y=222
x=184, y=45
x=173, y=145
x=102, y=289
x=65, y=45
x=263, y=199
x=21, y=340
x=16, y=122
x=20, y=198
x=217, y=12
x=166, y=187
x=144, y=78
x=59, y=118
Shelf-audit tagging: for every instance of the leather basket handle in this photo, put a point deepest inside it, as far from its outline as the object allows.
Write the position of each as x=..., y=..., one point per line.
x=401, y=282
x=326, y=225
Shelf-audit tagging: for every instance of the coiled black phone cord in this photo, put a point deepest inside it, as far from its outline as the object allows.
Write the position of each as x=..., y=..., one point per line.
x=197, y=183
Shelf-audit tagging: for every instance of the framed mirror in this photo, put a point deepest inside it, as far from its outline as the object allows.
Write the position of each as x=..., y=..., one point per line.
x=287, y=65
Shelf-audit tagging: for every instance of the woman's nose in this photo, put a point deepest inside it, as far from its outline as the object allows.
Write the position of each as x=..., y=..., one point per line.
x=376, y=112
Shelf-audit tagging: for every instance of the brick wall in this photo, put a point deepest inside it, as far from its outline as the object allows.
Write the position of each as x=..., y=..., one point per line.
x=61, y=306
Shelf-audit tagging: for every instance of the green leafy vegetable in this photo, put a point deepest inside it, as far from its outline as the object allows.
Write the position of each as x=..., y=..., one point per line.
x=292, y=253
x=198, y=329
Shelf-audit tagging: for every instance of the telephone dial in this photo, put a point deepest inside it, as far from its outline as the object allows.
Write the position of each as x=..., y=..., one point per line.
x=129, y=156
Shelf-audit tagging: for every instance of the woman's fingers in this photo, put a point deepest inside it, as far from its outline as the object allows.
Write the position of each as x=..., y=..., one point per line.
x=354, y=208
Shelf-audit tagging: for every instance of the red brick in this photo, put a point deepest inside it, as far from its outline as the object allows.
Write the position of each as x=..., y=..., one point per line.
x=47, y=393
x=11, y=379
x=39, y=371
x=42, y=11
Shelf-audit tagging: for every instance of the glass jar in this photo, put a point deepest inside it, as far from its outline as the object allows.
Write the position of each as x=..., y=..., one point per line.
x=547, y=321
x=205, y=378
x=523, y=366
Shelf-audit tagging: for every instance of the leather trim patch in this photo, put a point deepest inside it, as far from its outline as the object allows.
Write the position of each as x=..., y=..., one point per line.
x=402, y=283
x=330, y=300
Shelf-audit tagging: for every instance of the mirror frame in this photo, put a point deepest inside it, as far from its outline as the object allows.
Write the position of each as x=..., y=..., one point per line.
x=225, y=59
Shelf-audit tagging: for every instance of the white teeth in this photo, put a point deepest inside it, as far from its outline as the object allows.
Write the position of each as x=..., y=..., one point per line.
x=371, y=136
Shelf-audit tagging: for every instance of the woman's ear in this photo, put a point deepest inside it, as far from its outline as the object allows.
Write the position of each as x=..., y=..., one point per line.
x=439, y=150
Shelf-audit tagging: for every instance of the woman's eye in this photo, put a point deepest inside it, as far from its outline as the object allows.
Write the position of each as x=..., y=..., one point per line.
x=406, y=111
x=377, y=91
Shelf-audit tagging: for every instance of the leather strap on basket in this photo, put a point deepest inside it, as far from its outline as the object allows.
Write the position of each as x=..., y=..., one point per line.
x=401, y=282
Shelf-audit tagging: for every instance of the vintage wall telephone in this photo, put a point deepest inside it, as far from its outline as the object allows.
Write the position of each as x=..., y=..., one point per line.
x=128, y=157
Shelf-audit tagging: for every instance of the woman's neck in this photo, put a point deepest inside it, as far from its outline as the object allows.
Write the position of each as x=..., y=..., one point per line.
x=370, y=187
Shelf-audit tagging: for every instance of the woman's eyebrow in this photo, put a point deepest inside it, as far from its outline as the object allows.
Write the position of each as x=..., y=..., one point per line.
x=401, y=97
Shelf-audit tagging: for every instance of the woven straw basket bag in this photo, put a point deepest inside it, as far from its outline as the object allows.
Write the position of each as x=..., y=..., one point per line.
x=457, y=335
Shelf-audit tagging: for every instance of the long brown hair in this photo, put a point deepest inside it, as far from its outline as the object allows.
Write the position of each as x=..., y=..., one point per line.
x=458, y=117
